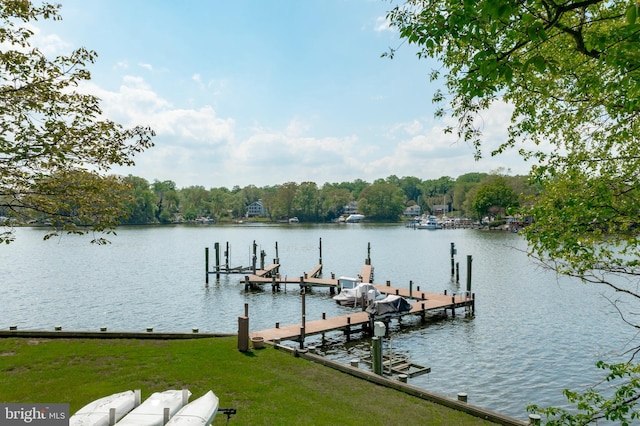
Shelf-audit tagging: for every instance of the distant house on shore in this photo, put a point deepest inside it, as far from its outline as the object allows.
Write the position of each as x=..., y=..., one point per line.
x=412, y=211
x=351, y=208
x=256, y=209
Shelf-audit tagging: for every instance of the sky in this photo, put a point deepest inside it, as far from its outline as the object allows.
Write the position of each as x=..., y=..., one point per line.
x=267, y=92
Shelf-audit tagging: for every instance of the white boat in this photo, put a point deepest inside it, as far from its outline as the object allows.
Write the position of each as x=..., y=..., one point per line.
x=354, y=218
x=428, y=222
x=294, y=220
x=199, y=412
x=151, y=411
x=96, y=413
x=353, y=296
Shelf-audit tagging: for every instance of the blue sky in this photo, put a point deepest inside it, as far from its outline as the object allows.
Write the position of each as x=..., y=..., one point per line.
x=266, y=92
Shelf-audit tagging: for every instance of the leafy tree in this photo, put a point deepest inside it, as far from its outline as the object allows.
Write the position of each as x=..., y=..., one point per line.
x=381, y=201
x=410, y=185
x=167, y=200
x=307, y=201
x=194, y=202
x=283, y=203
x=50, y=132
x=142, y=203
x=494, y=197
x=333, y=200
x=570, y=72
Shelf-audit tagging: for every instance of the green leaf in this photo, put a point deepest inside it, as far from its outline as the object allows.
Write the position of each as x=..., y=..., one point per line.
x=631, y=14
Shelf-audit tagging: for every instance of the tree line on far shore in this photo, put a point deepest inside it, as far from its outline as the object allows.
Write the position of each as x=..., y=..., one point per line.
x=472, y=195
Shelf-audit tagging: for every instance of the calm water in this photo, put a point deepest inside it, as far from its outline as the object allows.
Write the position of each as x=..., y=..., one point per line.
x=533, y=334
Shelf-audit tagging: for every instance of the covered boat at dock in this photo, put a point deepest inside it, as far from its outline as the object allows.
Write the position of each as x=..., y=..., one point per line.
x=356, y=295
x=389, y=306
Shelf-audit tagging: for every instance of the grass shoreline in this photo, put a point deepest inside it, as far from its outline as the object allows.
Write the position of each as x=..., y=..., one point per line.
x=265, y=386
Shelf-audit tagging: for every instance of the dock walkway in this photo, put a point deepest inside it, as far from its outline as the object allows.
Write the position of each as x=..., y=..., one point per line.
x=425, y=302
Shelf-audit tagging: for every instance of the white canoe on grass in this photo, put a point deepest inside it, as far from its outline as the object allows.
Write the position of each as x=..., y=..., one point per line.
x=151, y=411
x=96, y=413
x=199, y=412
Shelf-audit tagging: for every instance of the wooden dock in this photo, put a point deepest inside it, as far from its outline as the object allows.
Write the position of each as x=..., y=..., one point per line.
x=308, y=280
x=423, y=303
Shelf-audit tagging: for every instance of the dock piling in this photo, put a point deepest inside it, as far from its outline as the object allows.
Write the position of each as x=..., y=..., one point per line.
x=206, y=265
x=217, y=248
x=469, y=260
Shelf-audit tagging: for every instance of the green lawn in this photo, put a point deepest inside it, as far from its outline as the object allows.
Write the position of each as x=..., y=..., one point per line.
x=267, y=387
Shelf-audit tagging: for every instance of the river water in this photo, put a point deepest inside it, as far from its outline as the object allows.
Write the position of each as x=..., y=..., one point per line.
x=533, y=334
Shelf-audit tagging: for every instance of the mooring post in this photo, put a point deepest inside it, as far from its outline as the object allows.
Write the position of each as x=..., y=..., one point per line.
x=469, y=260
x=304, y=318
x=262, y=256
x=320, y=247
x=453, y=252
x=243, y=333
x=217, y=248
x=226, y=256
x=277, y=260
x=457, y=272
x=254, y=258
x=368, y=262
x=206, y=265
x=410, y=289
x=376, y=355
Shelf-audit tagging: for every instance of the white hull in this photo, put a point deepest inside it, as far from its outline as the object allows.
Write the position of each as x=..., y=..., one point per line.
x=96, y=413
x=199, y=412
x=151, y=411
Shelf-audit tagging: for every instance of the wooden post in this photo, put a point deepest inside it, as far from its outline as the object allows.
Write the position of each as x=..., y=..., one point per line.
x=368, y=261
x=217, y=247
x=453, y=306
x=453, y=252
x=277, y=260
x=469, y=260
x=262, y=256
x=243, y=334
x=254, y=258
x=410, y=289
x=376, y=355
x=457, y=272
x=304, y=318
x=320, y=247
x=206, y=265
x=226, y=256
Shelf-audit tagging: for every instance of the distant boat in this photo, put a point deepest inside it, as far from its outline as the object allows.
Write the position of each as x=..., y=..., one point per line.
x=428, y=222
x=354, y=218
x=294, y=220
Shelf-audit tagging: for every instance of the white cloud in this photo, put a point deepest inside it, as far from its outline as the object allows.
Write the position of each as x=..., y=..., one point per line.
x=382, y=24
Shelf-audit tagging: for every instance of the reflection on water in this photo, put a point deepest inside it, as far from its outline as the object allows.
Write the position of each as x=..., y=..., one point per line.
x=533, y=335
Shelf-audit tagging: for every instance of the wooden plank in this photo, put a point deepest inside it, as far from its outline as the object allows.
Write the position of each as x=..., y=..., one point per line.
x=268, y=270
x=366, y=273
x=315, y=272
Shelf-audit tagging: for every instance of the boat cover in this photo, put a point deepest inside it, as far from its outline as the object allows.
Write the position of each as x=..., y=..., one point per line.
x=355, y=294
x=391, y=304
